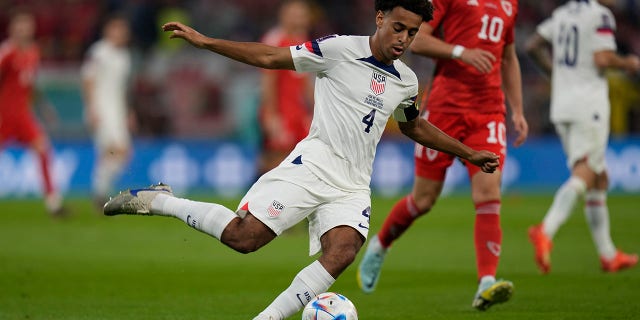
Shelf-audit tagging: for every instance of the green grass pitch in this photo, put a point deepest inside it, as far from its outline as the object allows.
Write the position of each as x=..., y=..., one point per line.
x=93, y=267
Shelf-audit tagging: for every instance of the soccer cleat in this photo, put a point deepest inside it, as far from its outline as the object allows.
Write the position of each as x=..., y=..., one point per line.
x=619, y=262
x=369, y=268
x=492, y=292
x=137, y=201
x=542, y=246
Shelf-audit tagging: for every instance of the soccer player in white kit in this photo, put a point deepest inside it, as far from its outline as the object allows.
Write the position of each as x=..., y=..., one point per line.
x=359, y=85
x=105, y=75
x=580, y=33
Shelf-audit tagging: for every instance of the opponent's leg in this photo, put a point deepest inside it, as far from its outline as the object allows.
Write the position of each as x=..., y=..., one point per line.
x=402, y=215
x=53, y=200
x=485, y=192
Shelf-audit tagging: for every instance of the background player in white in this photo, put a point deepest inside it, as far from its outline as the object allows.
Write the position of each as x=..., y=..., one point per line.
x=359, y=85
x=105, y=75
x=581, y=36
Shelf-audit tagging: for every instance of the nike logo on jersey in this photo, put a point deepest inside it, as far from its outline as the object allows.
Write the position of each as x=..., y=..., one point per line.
x=363, y=226
x=299, y=47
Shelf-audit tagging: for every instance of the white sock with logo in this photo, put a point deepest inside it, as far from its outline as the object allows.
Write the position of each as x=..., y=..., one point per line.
x=563, y=203
x=308, y=283
x=210, y=218
x=597, y=215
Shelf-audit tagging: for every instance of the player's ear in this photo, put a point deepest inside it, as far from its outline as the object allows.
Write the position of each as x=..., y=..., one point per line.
x=379, y=18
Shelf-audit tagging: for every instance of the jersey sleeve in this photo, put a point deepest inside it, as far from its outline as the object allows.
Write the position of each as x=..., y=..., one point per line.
x=5, y=52
x=315, y=55
x=545, y=29
x=407, y=110
x=439, y=11
x=510, y=35
x=605, y=27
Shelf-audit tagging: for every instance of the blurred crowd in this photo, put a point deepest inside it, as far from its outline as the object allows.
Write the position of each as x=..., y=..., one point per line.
x=184, y=92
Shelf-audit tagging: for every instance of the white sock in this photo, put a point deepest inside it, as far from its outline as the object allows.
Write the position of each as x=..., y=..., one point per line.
x=104, y=174
x=210, y=218
x=563, y=204
x=308, y=283
x=597, y=215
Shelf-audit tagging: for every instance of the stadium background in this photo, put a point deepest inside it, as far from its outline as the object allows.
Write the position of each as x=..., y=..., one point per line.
x=196, y=112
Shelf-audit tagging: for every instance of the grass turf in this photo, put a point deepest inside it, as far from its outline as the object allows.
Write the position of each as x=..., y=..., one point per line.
x=92, y=267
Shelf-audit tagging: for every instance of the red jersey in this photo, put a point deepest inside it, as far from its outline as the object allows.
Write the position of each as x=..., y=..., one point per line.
x=290, y=85
x=17, y=76
x=483, y=24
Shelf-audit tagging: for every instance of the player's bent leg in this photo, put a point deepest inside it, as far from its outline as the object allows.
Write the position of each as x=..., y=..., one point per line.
x=340, y=246
x=246, y=235
x=243, y=235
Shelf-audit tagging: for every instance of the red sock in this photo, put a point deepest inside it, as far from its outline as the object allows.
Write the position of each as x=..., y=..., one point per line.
x=46, y=176
x=488, y=237
x=402, y=215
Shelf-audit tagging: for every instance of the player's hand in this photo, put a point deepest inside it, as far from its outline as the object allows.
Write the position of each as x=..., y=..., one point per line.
x=522, y=128
x=179, y=30
x=633, y=64
x=486, y=160
x=480, y=59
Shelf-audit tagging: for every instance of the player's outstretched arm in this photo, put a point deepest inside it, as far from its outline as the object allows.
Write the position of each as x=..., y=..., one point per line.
x=610, y=59
x=428, y=135
x=426, y=44
x=253, y=53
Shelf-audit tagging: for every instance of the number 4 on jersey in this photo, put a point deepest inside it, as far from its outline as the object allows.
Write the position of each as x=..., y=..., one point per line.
x=368, y=120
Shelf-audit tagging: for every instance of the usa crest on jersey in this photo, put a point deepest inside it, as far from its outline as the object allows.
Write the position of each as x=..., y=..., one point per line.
x=378, y=82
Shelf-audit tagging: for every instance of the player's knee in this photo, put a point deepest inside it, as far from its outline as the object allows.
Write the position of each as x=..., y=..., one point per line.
x=424, y=202
x=244, y=246
x=342, y=256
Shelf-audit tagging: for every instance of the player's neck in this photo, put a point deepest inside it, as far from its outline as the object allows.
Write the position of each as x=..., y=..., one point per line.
x=374, y=46
x=22, y=43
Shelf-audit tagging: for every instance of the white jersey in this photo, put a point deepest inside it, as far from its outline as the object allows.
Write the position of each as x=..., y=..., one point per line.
x=576, y=31
x=355, y=95
x=109, y=68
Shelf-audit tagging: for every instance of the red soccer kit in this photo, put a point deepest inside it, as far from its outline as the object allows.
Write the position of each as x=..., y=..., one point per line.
x=462, y=102
x=17, y=75
x=290, y=95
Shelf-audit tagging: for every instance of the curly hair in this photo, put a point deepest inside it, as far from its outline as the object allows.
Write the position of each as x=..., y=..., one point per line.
x=424, y=8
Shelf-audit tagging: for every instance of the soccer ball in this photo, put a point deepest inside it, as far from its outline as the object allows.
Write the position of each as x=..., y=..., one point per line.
x=330, y=306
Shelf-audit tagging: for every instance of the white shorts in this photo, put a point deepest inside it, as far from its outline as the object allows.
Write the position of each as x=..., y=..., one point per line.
x=289, y=193
x=582, y=140
x=112, y=134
